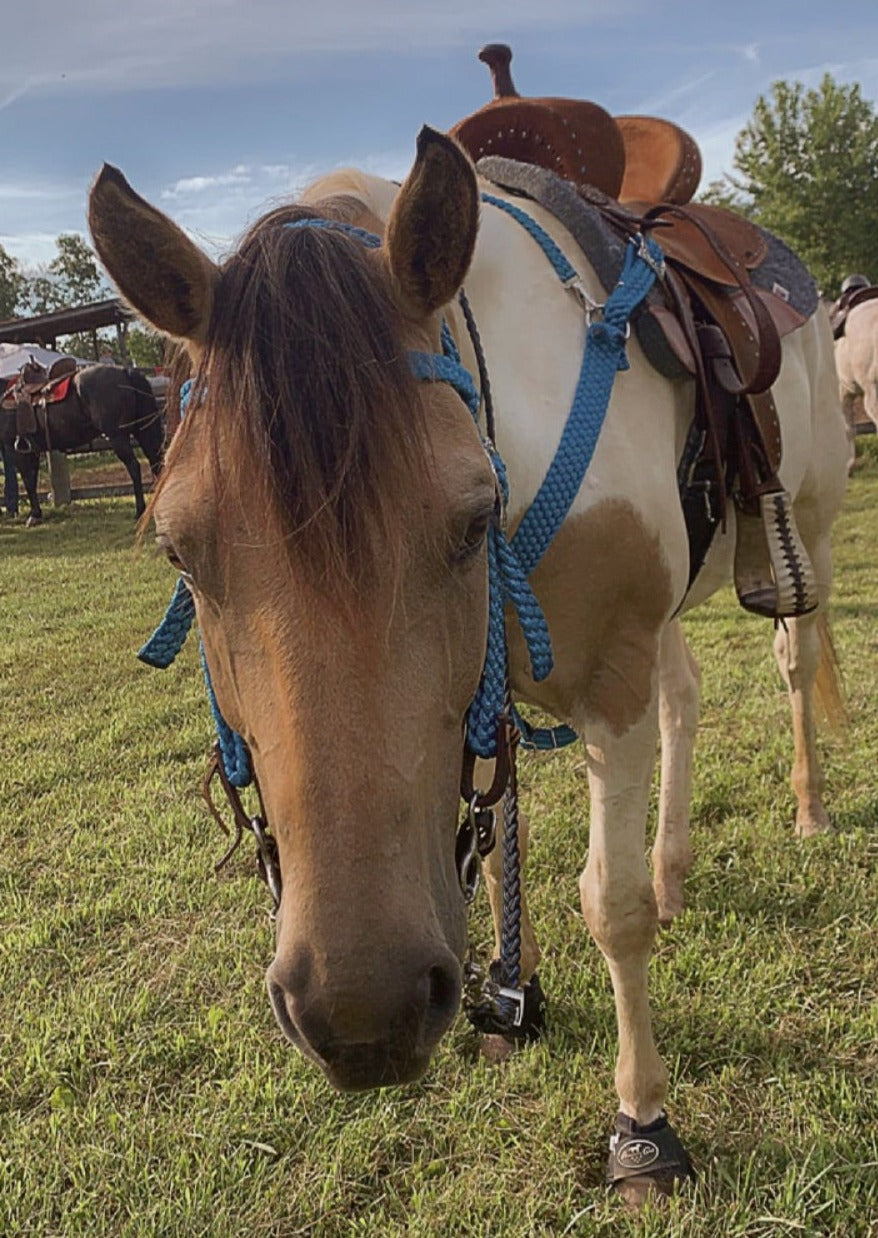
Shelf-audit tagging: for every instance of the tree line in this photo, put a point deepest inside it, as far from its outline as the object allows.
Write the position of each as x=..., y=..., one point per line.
x=73, y=278
x=805, y=167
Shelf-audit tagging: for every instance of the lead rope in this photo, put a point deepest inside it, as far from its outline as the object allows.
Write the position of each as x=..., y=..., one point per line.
x=498, y=1003
x=510, y=936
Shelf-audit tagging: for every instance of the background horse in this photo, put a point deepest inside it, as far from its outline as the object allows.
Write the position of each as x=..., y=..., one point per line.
x=856, y=358
x=102, y=399
x=330, y=515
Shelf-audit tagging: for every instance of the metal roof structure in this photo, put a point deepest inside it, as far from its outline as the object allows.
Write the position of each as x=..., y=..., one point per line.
x=45, y=329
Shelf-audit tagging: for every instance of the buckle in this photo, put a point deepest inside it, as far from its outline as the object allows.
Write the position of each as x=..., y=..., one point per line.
x=590, y=307
x=646, y=255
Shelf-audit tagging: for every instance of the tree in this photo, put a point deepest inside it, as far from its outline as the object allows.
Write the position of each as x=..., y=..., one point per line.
x=145, y=348
x=72, y=278
x=41, y=294
x=807, y=165
x=11, y=284
x=76, y=271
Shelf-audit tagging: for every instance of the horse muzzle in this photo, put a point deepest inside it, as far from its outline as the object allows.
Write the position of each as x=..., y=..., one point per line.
x=379, y=1031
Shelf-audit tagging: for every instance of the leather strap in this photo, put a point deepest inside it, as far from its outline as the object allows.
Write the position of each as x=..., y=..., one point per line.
x=765, y=366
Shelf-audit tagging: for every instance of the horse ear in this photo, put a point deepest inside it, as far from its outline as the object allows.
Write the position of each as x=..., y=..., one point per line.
x=431, y=232
x=159, y=271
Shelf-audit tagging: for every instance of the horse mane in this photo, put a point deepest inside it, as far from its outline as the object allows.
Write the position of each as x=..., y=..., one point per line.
x=306, y=385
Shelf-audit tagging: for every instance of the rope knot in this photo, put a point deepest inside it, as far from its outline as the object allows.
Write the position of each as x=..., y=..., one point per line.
x=612, y=338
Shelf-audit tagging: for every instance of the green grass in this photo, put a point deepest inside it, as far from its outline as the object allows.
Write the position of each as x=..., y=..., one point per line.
x=145, y=1090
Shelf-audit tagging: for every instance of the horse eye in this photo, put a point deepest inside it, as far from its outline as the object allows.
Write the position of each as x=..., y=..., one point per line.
x=472, y=540
x=166, y=547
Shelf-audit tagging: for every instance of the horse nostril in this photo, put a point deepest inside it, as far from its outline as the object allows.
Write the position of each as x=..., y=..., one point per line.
x=443, y=996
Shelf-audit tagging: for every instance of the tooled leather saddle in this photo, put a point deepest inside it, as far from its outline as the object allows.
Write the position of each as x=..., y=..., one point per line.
x=640, y=172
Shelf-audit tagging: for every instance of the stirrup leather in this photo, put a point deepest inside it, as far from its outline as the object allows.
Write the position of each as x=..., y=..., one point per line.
x=774, y=576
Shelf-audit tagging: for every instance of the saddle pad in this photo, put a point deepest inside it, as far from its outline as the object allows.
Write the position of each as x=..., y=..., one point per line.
x=780, y=274
x=59, y=391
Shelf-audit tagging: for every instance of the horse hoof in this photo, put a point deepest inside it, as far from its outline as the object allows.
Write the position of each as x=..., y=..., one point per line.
x=496, y=1049
x=646, y=1162
x=33, y=521
x=813, y=824
x=669, y=906
x=635, y=1193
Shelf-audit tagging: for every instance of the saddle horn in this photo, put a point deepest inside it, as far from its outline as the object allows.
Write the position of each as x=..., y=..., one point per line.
x=498, y=57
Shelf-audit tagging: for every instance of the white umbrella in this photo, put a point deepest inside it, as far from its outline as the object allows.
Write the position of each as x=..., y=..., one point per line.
x=14, y=356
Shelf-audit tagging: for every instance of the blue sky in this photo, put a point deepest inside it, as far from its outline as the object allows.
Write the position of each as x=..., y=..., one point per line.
x=216, y=108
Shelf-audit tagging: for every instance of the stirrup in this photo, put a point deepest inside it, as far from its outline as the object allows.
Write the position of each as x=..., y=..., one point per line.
x=774, y=576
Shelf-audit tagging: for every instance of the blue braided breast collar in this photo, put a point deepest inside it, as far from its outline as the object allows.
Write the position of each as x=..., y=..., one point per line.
x=509, y=562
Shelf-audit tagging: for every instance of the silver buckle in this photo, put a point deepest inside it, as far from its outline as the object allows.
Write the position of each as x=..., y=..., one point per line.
x=516, y=996
x=643, y=252
x=588, y=306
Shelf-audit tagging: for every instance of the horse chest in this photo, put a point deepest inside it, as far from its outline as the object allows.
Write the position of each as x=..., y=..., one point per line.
x=606, y=590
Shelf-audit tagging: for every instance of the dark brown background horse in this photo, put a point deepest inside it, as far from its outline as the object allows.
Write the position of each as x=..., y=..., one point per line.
x=102, y=399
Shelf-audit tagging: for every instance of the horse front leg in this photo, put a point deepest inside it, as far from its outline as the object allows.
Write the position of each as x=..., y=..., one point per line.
x=121, y=445
x=619, y=906
x=28, y=464
x=679, y=696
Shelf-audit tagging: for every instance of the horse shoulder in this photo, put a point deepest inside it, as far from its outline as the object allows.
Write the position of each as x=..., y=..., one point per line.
x=607, y=588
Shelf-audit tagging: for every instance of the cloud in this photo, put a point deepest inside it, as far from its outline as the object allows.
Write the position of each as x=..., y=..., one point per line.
x=31, y=249
x=215, y=208
x=189, y=185
x=658, y=104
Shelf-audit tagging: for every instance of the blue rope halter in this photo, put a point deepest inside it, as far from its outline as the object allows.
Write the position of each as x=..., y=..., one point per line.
x=509, y=563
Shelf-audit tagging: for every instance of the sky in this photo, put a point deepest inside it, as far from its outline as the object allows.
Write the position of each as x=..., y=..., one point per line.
x=217, y=109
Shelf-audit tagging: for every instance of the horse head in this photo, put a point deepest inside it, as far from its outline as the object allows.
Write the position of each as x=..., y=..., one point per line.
x=329, y=513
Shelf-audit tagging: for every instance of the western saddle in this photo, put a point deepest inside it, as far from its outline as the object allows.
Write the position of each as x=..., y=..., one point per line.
x=640, y=172
x=855, y=290
x=29, y=394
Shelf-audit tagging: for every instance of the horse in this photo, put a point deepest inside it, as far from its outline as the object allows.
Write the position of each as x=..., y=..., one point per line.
x=101, y=399
x=856, y=359
x=331, y=516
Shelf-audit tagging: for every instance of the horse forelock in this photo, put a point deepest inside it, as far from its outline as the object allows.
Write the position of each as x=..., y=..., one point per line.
x=313, y=410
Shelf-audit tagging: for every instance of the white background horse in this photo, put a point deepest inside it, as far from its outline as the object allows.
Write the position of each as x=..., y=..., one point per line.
x=357, y=751
x=856, y=358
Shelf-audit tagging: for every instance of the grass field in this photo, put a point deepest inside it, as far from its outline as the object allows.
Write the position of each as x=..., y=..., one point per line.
x=144, y=1088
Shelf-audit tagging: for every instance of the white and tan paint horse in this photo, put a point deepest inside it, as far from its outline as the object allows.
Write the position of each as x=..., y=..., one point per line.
x=856, y=359
x=330, y=513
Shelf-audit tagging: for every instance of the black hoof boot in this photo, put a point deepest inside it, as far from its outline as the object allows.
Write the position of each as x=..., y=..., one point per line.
x=516, y=1014
x=646, y=1160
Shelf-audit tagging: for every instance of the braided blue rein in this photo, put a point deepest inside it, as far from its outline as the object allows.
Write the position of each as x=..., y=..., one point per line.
x=604, y=355
x=509, y=564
